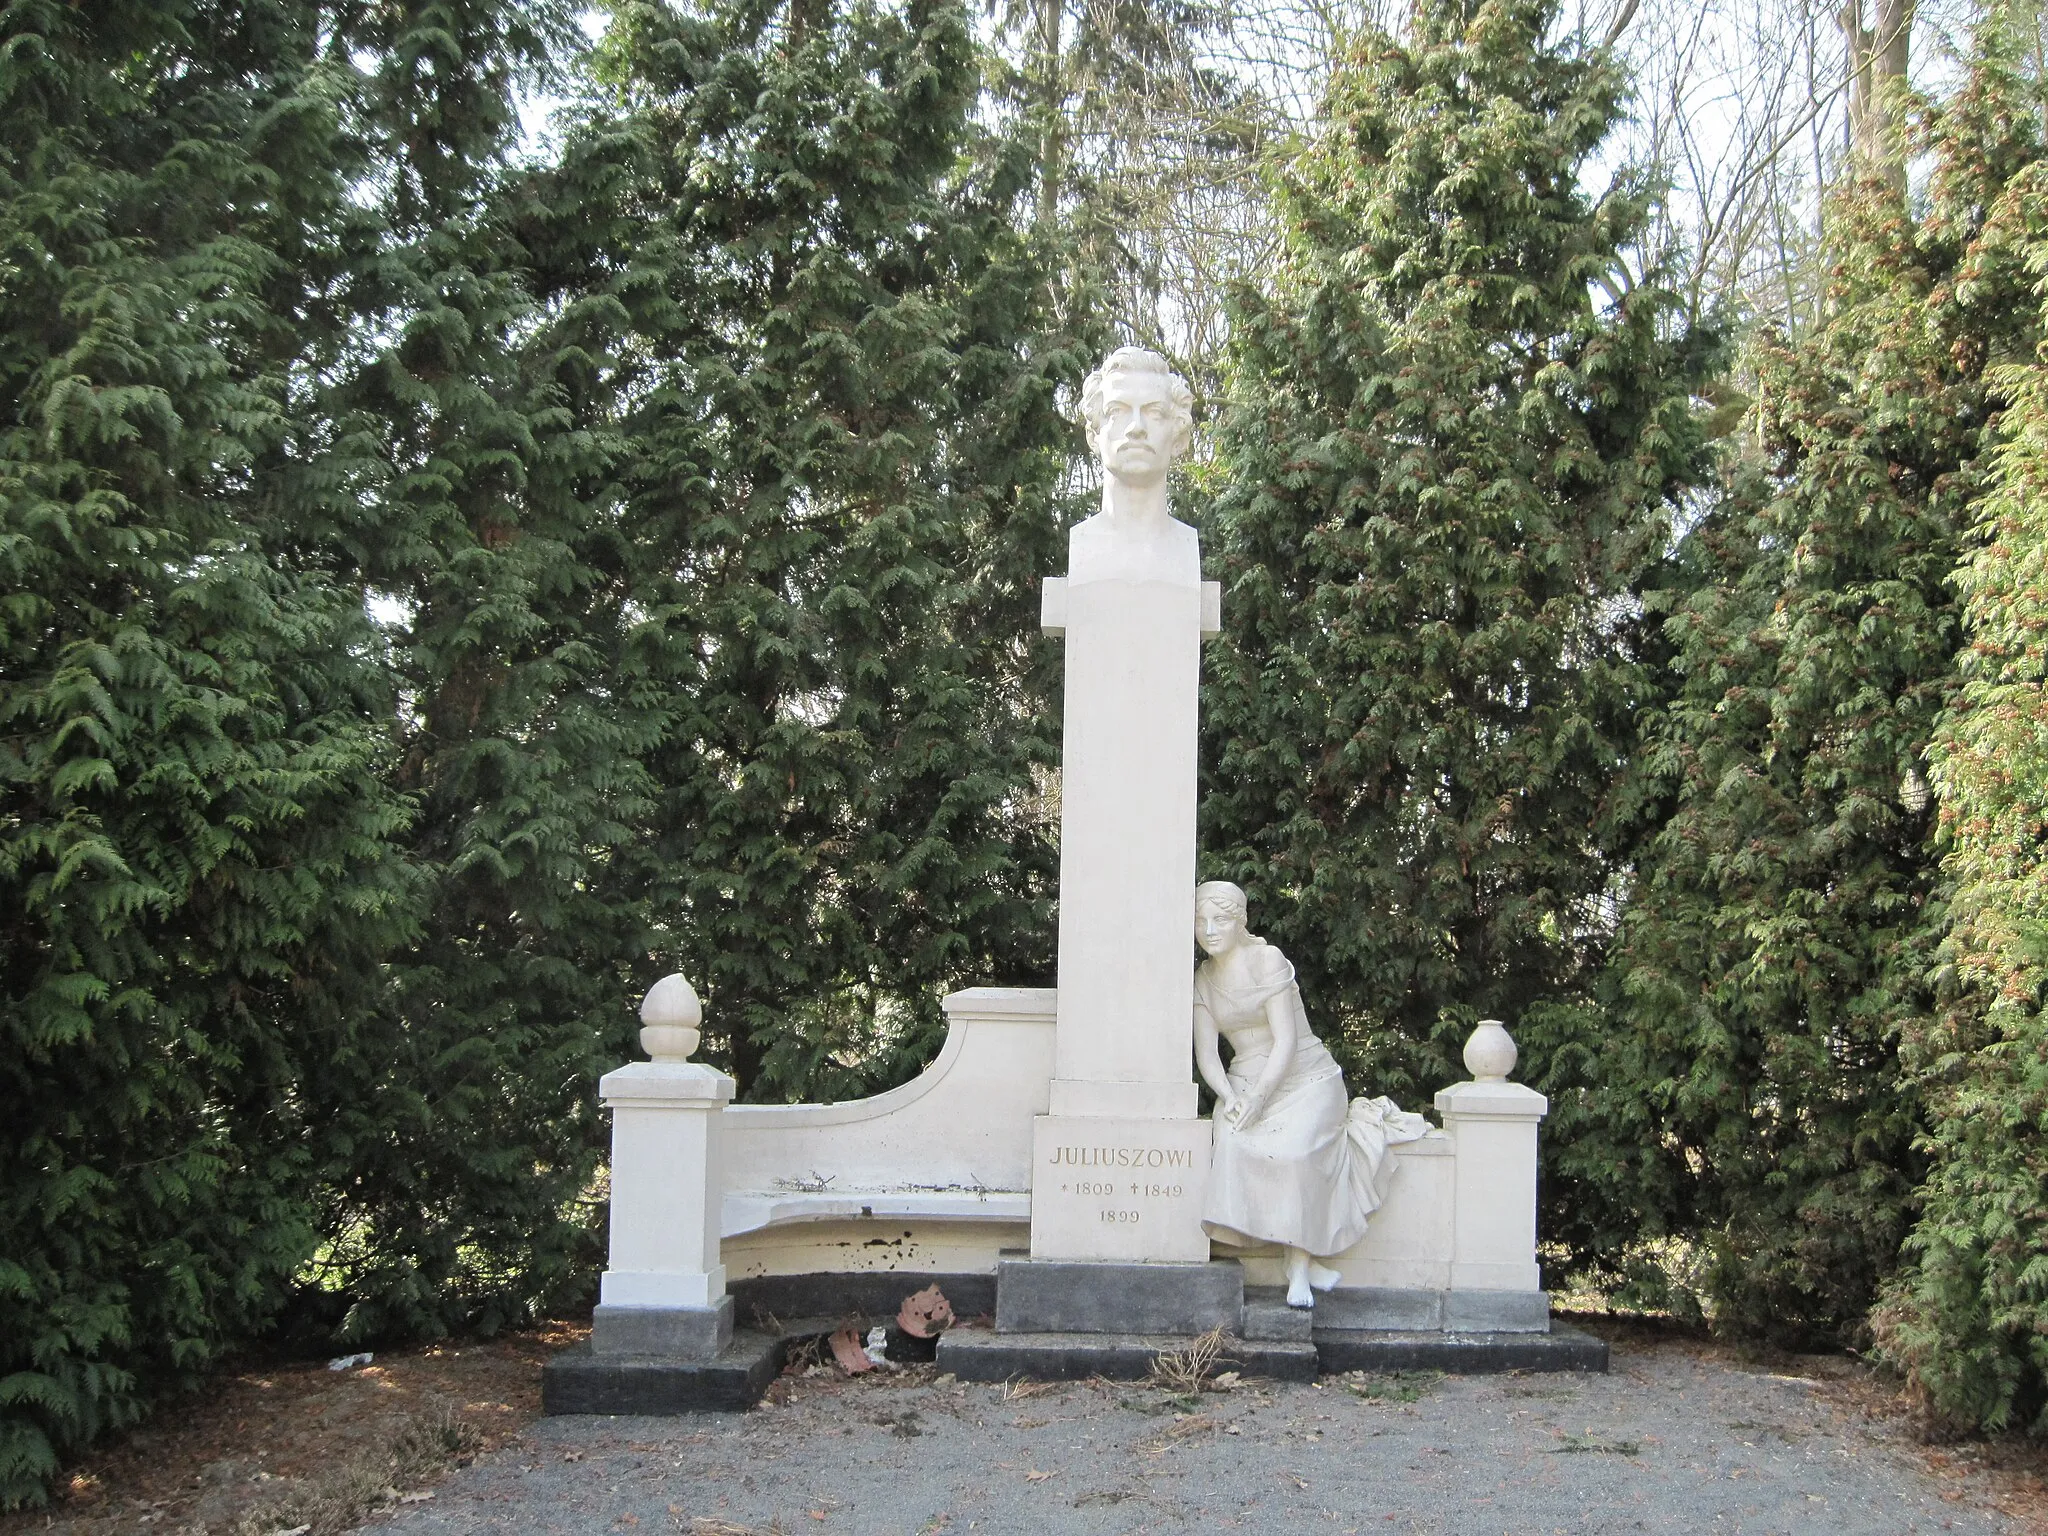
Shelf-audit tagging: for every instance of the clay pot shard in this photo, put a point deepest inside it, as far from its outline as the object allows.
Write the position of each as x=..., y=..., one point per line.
x=925, y=1314
x=847, y=1351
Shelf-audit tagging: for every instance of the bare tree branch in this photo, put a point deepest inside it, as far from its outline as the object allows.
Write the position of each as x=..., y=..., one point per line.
x=1619, y=25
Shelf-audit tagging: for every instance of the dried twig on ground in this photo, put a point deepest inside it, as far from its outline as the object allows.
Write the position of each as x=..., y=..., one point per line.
x=344, y=1496
x=1187, y=1368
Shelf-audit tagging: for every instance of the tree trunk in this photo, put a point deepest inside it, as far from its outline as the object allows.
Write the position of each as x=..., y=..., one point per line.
x=1051, y=101
x=1878, y=55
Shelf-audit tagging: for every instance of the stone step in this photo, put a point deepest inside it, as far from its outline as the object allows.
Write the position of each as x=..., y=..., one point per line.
x=578, y=1381
x=1062, y=1296
x=1267, y=1316
x=1563, y=1348
x=1419, y=1310
x=976, y=1355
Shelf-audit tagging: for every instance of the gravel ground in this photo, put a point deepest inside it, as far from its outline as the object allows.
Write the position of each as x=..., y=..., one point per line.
x=1672, y=1440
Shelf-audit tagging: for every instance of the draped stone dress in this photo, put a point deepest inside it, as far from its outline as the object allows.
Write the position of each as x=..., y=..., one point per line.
x=1310, y=1170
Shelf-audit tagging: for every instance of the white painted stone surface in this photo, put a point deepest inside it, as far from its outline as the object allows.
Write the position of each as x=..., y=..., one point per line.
x=1460, y=1204
x=1119, y=1188
x=961, y=1125
x=748, y=1211
x=1408, y=1243
x=669, y=1016
x=911, y=1244
x=931, y=1177
x=1492, y=1126
x=1460, y=1211
x=666, y=1126
x=1491, y=1053
x=904, y=1197
x=1052, y=608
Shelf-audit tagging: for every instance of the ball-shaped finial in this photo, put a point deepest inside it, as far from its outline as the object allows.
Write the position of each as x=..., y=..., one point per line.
x=669, y=1019
x=1490, y=1054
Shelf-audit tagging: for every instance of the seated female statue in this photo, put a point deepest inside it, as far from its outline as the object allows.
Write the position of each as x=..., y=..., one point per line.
x=1295, y=1161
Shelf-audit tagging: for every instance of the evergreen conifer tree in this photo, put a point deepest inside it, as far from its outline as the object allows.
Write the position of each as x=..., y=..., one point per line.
x=1966, y=1317
x=462, y=1133
x=1780, y=930
x=715, y=467
x=703, y=481
x=835, y=374
x=1456, y=431
x=196, y=849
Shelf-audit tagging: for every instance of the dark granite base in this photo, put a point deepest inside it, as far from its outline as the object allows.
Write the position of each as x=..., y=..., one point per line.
x=1059, y=1296
x=1277, y=1341
x=1376, y=1308
x=673, y=1333
x=1564, y=1348
x=577, y=1381
x=976, y=1355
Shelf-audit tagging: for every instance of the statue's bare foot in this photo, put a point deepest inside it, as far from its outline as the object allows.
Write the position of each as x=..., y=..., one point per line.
x=1322, y=1277
x=1299, y=1267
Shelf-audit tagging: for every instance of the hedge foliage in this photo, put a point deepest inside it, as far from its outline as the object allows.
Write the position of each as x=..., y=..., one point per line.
x=199, y=839
x=1779, y=945
x=1717, y=772
x=1966, y=1314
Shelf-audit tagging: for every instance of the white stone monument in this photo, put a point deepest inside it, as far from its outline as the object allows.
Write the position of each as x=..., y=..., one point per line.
x=1075, y=1111
x=1119, y=1161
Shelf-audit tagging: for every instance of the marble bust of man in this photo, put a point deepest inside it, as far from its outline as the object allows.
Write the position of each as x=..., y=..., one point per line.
x=1139, y=416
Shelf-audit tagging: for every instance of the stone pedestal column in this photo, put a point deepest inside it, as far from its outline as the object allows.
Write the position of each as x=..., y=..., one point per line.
x=1493, y=1122
x=1120, y=1162
x=663, y=1292
x=1133, y=625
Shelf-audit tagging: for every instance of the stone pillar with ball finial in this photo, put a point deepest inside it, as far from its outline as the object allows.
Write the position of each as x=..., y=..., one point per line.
x=663, y=1292
x=1493, y=1123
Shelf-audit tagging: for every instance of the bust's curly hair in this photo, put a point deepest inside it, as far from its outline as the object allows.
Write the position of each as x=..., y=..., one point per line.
x=1136, y=360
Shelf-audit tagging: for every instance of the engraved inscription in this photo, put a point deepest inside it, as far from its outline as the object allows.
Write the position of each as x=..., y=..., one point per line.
x=1119, y=1189
x=1080, y=1155
x=1122, y=1157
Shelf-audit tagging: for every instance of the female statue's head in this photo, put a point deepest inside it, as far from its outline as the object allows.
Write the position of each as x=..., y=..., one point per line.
x=1138, y=413
x=1221, y=917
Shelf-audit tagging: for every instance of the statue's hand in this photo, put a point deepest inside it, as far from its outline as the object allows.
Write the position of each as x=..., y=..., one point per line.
x=1227, y=1106
x=1247, y=1109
